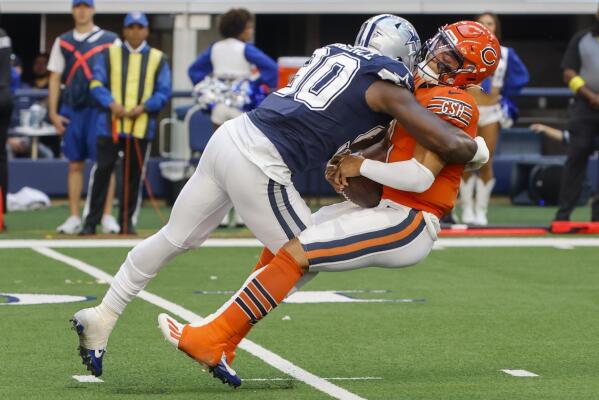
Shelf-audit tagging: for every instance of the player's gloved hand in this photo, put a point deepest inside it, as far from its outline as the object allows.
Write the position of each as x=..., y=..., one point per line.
x=481, y=157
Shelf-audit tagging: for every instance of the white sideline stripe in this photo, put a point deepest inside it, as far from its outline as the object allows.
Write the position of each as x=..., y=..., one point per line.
x=265, y=355
x=519, y=372
x=443, y=243
x=355, y=378
x=87, y=379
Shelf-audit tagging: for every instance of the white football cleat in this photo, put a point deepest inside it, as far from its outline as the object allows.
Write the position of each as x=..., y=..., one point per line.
x=109, y=224
x=93, y=331
x=71, y=226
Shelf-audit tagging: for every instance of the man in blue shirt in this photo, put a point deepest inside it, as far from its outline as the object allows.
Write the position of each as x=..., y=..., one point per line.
x=132, y=83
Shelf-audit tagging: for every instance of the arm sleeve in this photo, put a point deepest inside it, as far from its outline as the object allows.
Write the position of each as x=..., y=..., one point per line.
x=571, y=58
x=99, y=81
x=269, y=71
x=162, y=90
x=201, y=67
x=56, y=61
x=410, y=176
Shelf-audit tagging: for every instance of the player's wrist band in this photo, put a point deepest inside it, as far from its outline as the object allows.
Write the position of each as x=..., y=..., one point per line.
x=576, y=83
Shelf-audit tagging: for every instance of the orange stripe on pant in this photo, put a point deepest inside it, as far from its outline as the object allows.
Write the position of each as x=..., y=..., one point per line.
x=350, y=248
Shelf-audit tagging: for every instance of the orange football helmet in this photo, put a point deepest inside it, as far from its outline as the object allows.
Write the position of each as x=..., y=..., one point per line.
x=464, y=52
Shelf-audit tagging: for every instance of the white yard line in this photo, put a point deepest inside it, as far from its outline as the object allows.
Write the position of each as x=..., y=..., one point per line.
x=338, y=378
x=127, y=243
x=265, y=355
x=87, y=379
x=519, y=373
x=443, y=243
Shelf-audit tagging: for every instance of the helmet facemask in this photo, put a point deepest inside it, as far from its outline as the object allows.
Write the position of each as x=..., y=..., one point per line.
x=441, y=52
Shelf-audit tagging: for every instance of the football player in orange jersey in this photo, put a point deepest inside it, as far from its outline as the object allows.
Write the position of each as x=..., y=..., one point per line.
x=418, y=189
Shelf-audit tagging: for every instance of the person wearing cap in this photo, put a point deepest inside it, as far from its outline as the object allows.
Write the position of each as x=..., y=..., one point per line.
x=70, y=64
x=132, y=83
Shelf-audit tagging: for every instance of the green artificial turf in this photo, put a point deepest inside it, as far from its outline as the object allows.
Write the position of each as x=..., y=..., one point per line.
x=484, y=310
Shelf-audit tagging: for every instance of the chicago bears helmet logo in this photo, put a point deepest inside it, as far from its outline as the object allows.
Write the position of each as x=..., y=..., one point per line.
x=489, y=56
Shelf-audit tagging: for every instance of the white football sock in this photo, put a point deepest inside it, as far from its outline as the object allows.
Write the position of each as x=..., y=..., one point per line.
x=142, y=264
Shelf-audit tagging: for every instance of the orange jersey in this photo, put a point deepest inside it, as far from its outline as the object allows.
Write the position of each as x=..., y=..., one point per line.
x=456, y=107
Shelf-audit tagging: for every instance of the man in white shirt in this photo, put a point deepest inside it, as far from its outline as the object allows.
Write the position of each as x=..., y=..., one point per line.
x=70, y=66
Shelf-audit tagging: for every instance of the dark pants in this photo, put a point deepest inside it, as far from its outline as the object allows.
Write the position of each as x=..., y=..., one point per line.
x=5, y=114
x=107, y=153
x=584, y=134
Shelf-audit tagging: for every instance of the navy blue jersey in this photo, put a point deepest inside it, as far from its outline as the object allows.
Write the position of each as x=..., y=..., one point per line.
x=324, y=109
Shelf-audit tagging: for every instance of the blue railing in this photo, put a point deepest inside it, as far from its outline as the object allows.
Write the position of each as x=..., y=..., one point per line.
x=526, y=92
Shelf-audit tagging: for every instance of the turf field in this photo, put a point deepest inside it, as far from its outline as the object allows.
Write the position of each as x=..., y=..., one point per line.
x=41, y=224
x=474, y=312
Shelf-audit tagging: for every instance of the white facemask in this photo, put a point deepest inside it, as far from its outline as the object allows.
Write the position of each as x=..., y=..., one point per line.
x=427, y=73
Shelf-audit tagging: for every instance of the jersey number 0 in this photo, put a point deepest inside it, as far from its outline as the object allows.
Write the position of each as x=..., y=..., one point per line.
x=322, y=79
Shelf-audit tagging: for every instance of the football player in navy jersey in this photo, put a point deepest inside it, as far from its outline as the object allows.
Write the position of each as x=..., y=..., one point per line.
x=342, y=93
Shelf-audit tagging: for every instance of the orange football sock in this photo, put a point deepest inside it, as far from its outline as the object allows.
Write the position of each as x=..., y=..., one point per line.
x=260, y=294
x=264, y=259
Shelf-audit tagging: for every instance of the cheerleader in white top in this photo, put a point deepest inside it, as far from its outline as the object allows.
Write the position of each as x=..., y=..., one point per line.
x=497, y=109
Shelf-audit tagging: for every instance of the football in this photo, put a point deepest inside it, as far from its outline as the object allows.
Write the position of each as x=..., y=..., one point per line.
x=361, y=190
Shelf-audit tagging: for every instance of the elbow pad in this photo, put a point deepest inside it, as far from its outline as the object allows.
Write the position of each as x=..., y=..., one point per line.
x=410, y=176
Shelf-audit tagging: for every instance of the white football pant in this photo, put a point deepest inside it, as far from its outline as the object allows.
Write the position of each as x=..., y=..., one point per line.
x=344, y=236
x=273, y=212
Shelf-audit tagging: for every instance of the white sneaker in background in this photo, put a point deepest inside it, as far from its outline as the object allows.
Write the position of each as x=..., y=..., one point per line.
x=71, y=226
x=238, y=220
x=109, y=224
x=225, y=222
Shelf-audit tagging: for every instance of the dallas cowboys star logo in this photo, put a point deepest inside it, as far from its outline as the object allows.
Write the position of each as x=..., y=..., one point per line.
x=414, y=39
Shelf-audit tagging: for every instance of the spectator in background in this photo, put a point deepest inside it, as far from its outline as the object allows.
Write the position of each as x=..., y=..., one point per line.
x=551, y=133
x=40, y=75
x=497, y=108
x=16, y=73
x=233, y=58
x=70, y=66
x=129, y=106
x=581, y=72
x=5, y=113
x=39, y=79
